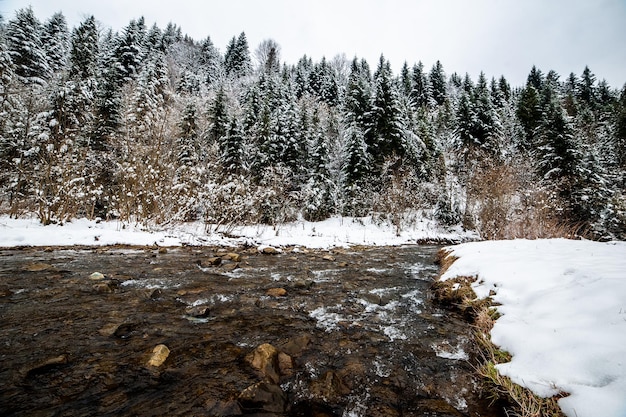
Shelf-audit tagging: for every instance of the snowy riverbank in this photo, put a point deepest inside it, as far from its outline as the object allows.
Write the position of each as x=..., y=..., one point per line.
x=334, y=232
x=563, y=306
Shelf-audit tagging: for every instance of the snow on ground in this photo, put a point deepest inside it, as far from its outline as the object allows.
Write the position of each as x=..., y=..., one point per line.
x=563, y=316
x=333, y=232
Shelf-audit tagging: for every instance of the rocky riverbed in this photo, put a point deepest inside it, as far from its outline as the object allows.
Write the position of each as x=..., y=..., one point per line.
x=221, y=332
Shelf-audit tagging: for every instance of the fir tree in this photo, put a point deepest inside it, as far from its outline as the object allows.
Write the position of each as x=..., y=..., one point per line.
x=420, y=92
x=188, y=135
x=84, y=50
x=55, y=40
x=406, y=82
x=358, y=159
x=218, y=117
x=529, y=113
x=231, y=148
x=620, y=129
x=385, y=134
x=535, y=79
x=210, y=61
x=237, y=62
x=438, y=83
x=129, y=51
x=586, y=89
x=23, y=36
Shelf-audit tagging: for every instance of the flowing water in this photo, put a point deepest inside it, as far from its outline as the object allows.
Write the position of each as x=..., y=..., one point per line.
x=359, y=331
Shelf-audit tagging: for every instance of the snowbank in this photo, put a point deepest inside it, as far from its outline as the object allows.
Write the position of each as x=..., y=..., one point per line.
x=563, y=316
x=332, y=232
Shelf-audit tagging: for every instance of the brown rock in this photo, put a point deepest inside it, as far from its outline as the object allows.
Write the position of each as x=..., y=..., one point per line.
x=270, y=362
x=159, y=355
x=230, y=266
x=297, y=345
x=214, y=261
x=270, y=251
x=103, y=288
x=263, y=396
x=329, y=386
x=223, y=408
x=5, y=291
x=231, y=256
x=47, y=365
x=277, y=292
x=162, y=251
x=328, y=258
x=38, y=267
x=285, y=364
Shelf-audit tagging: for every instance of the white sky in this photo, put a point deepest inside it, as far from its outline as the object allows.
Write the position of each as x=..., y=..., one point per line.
x=497, y=36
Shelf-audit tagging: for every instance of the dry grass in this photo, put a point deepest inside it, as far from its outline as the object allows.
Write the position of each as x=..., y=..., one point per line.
x=457, y=293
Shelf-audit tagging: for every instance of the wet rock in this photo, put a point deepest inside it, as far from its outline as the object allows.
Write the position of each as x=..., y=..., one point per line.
x=223, y=408
x=5, y=291
x=438, y=407
x=151, y=293
x=47, y=365
x=121, y=330
x=103, y=287
x=268, y=250
x=96, y=276
x=263, y=397
x=329, y=386
x=276, y=292
x=231, y=256
x=297, y=345
x=270, y=362
x=38, y=267
x=213, y=261
x=159, y=355
x=109, y=329
x=304, y=284
x=372, y=298
x=285, y=364
x=197, y=311
x=230, y=266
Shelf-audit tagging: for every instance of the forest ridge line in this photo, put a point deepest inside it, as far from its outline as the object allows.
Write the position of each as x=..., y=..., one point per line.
x=151, y=125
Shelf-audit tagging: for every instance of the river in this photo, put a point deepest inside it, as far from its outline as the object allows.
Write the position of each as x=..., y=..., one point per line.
x=354, y=333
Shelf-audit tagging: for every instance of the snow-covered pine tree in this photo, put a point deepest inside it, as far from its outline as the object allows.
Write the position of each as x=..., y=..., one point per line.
x=218, y=117
x=146, y=114
x=437, y=79
x=237, y=61
x=210, y=61
x=317, y=199
x=420, y=93
x=129, y=51
x=188, y=135
x=385, y=130
x=23, y=36
x=55, y=40
x=529, y=113
x=231, y=148
x=84, y=50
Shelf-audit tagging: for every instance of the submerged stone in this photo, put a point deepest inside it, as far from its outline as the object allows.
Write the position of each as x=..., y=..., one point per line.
x=159, y=355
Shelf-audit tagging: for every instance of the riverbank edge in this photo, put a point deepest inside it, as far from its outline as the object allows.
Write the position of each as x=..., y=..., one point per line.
x=457, y=294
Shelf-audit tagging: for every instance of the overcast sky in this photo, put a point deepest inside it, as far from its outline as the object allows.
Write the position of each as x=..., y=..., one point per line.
x=496, y=36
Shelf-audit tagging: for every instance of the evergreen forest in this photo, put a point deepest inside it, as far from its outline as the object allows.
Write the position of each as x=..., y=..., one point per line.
x=149, y=125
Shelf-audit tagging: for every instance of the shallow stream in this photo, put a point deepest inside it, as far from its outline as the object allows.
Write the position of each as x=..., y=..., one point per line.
x=360, y=332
